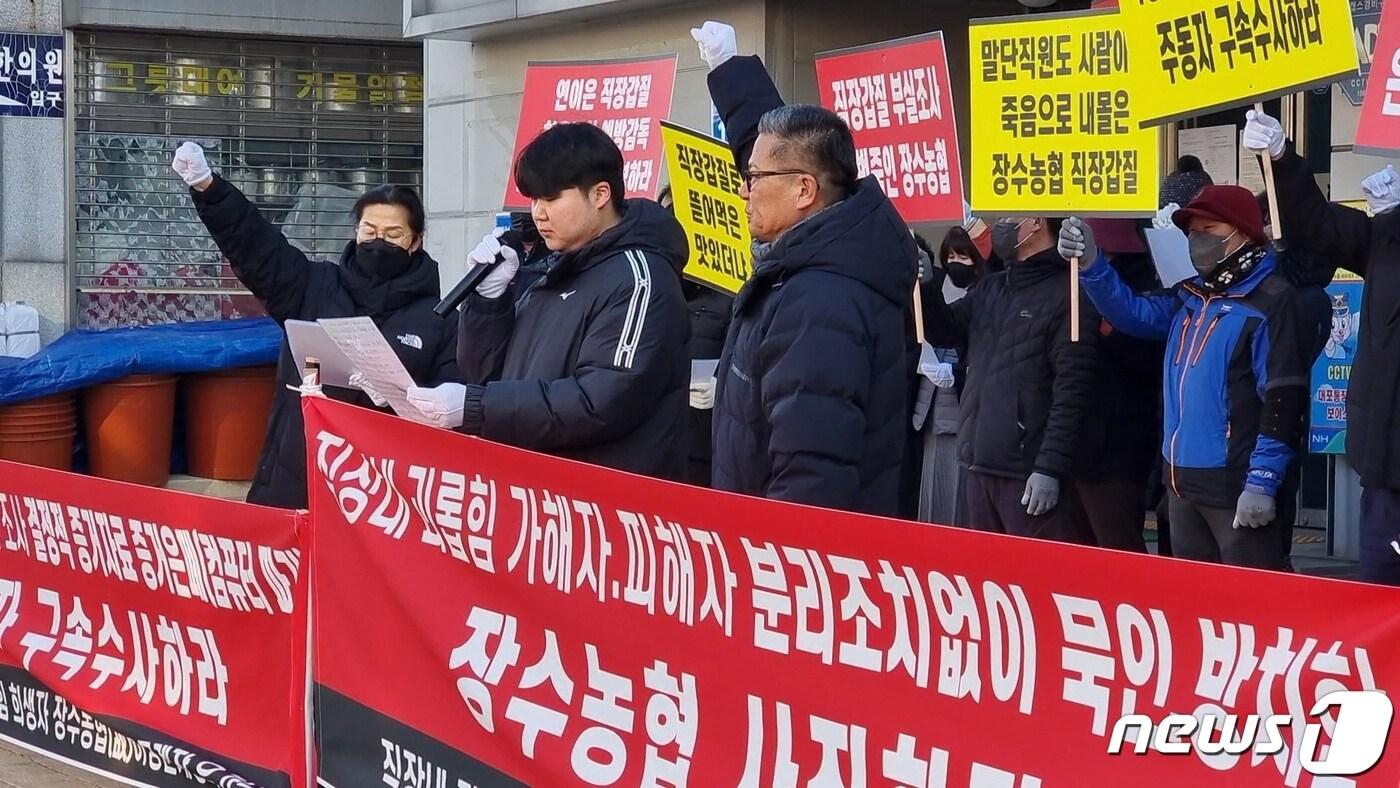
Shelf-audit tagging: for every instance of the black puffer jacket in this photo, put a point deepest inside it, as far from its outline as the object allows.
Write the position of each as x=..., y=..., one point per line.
x=1028, y=387
x=812, y=403
x=291, y=287
x=589, y=361
x=1370, y=247
x=1120, y=438
x=709, y=322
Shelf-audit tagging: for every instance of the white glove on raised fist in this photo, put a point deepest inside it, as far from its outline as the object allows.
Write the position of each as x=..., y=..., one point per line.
x=717, y=41
x=1382, y=189
x=191, y=166
x=1263, y=133
x=1163, y=219
x=496, y=282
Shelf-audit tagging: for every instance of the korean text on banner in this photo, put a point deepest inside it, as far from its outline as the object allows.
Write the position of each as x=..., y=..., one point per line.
x=1378, y=131
x=151, y=635
x=897, y=99
x=499, y=617
x=705, y=186
x=1055, y=119
x=626, y=98
x=1197, y=56
x=1331, y=373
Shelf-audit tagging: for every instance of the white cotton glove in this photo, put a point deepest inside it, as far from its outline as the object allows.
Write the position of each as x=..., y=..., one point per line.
x=496, y=282
x=1263, y=133
x=442, y=405
x=189, y=163
x=1163, y=219
x=941, y=374
x=1254, y=510
x=718, y=42
x=702, y=394
x=1382, y=190
x=359, y=381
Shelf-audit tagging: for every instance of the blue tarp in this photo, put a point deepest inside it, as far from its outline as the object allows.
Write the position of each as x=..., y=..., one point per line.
x=85, y=358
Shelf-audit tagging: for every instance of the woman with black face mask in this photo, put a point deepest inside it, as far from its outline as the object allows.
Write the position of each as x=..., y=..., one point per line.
x=383, y=274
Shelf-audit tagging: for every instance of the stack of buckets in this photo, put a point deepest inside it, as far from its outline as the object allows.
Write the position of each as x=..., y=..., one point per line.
x=130, y=425
x=40, y=432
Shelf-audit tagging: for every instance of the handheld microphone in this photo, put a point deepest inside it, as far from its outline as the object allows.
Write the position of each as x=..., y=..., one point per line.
x=459, y=293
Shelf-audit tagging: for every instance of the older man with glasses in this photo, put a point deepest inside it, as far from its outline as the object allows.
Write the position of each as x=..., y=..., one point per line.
x=813, y=385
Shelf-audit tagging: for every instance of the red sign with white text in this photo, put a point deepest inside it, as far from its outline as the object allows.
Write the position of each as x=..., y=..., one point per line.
x=152, y=636
x=490, y=616
x=897, y=99
x=1378, y=131
x=626, y=98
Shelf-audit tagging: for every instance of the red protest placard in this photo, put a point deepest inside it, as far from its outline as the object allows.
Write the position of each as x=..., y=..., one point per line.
x=1378, y=131
x=626, y=98
x=492, y=616
x=152, y=636
x=897, y=99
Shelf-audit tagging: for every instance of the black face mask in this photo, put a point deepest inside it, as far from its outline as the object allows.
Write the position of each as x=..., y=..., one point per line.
x=961, y=275
x=1004, y=241
x=381, y=259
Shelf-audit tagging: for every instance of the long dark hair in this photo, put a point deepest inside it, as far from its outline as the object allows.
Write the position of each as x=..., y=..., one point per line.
x=958, y=241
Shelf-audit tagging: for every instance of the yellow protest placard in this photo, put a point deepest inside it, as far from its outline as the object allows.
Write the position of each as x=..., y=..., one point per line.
x=705, y=187
x=1055, y=120
x=1198, y=56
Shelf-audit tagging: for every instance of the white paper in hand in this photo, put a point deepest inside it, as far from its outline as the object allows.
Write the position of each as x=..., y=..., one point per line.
x=369, y=353
x=310, y=339
x=1171, y=254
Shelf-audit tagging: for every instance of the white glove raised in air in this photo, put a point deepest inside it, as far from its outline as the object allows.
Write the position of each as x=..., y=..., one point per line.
x=359, y=381
x=191, y=166
x=1163, y=219
x=718, y=42
x=1263, y=133
x=442, y=405
x=496, y=282
x=1382, y=189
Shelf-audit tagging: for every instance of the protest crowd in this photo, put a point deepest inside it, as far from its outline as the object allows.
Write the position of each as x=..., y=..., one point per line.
x=849, y=442
x=1189, y=400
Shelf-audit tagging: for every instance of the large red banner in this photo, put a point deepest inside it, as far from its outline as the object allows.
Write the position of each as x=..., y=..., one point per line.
x=626, y=98
x=151, y=636
x=898, y=101
x=1378, y=131
x=489, y=616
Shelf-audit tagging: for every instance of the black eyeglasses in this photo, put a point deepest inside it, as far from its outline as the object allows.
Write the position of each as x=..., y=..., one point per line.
x=753, y=175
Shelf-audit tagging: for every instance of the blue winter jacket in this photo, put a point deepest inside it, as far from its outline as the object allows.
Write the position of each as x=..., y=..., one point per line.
x=1234, y=377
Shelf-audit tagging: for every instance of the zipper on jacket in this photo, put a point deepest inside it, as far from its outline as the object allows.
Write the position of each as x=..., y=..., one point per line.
x=1181, y=388
x=1185, y=325
x=1215, y=321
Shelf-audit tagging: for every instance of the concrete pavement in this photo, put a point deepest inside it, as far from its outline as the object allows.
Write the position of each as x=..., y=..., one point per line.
x=20, y=768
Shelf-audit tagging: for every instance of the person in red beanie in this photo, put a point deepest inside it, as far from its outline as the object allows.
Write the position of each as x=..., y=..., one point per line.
x=1235, y=381
x=1118, y=443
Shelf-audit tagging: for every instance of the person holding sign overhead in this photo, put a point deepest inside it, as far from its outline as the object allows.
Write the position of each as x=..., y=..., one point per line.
x=813, y=386
x=1369, y=246
x=1028, y=386
x=1235, y=382
x=384, y=274
x=588, y=361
